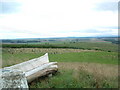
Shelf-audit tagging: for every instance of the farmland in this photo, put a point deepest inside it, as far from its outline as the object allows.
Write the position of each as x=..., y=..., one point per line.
x=74, y=45
x=81, y=64
x=17, y=55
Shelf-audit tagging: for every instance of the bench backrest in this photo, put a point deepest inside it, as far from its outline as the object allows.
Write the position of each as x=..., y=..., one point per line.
x=31, y=64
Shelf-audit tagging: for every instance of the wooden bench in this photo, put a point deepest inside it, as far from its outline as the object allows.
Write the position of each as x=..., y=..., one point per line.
x=33, y=68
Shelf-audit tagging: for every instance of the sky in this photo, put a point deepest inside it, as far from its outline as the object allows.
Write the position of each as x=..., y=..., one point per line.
x=58, y=18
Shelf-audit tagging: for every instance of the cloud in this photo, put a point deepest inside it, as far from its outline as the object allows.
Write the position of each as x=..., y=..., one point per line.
x=107, y=6
x=101, y=31
x=9, y=7
x=53, y=18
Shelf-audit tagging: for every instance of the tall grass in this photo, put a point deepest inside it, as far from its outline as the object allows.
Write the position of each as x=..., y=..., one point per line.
x=69, y=79
x=99, y=72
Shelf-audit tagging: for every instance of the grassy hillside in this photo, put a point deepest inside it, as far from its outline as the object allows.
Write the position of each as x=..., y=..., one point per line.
x=94, y=65
x=13, y=56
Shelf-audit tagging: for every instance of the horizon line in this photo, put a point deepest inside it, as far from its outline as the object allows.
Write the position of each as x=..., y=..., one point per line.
x=64, y=37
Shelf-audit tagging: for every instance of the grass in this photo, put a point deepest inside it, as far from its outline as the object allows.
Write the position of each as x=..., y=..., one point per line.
x=97, y=57
x=106, y=70
x=77, y=68
x=11, y=59
x=75, y=78
x=14, y=56
x=75, y=45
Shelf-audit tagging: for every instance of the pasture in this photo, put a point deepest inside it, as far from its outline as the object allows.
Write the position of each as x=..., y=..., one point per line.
x=78, y=68
x=101, y=46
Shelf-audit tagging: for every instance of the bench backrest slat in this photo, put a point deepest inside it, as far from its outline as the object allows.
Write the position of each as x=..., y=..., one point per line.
x=31, y=64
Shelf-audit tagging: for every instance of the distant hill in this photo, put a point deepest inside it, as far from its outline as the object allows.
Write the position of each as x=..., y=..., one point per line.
x=62, y=39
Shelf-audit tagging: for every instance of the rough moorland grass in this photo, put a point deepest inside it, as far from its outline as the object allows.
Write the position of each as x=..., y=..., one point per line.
x=106, y=70
x=69, y=79
x=80, y=75
x=70, y=75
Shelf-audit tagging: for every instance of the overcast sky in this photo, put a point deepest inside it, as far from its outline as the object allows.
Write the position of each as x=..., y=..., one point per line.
x=58, y=18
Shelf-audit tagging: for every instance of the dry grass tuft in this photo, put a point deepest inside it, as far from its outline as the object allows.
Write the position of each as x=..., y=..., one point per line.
x=98, y=70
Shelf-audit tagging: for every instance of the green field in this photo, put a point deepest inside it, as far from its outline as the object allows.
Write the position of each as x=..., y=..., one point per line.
x=110, y=47
x=78, y=68
x=88, y=56
x=82, y=62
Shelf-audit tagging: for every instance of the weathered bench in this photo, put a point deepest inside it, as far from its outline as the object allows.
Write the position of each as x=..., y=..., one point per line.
x=35, y=68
